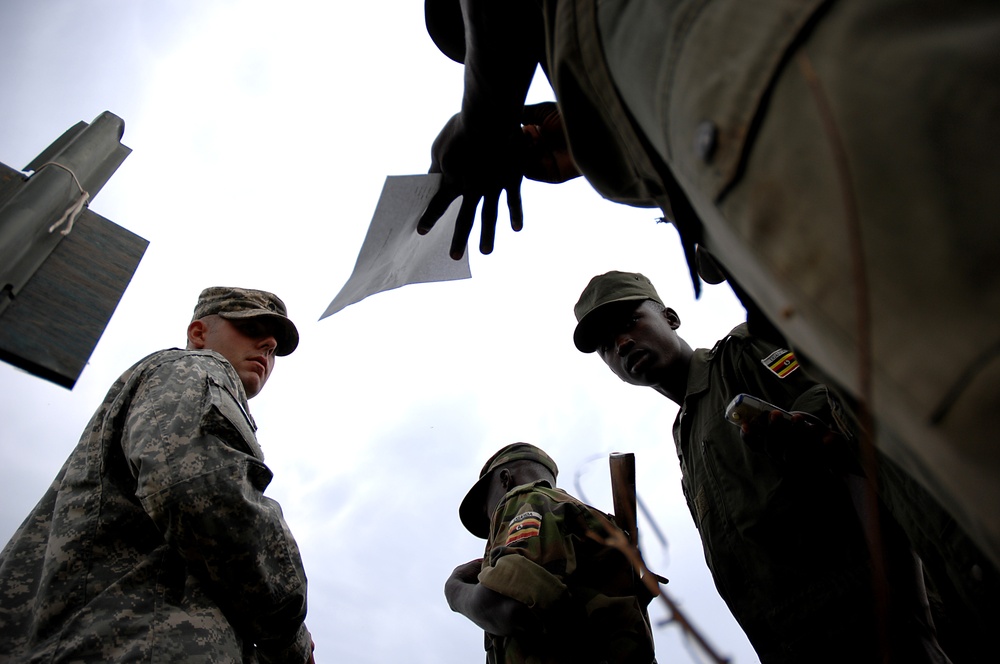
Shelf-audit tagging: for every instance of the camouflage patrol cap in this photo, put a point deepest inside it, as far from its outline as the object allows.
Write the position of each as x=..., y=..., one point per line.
x=603, y=290
x=244, y=303
x=472, y=511
x=446, y=27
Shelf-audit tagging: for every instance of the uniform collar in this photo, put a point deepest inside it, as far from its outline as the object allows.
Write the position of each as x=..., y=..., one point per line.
x=699, y=372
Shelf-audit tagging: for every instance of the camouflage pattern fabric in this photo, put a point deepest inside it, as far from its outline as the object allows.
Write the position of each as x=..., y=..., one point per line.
x=155, y=542
x=780, y=531
x=540, y=552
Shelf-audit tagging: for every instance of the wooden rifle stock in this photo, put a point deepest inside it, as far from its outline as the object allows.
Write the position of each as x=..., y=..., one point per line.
x=623, y=493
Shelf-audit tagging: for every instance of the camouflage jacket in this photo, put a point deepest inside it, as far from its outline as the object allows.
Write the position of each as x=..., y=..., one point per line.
x=541, y=551
x=155, y=542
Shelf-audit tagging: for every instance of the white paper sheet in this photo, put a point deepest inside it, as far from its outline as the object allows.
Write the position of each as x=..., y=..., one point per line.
x=393, y=254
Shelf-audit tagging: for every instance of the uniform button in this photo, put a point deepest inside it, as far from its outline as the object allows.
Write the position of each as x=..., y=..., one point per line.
x=706, y=137
x=977, y=572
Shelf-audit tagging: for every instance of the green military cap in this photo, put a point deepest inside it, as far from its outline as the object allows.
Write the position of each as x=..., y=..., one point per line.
x=603, y=290
x=446, y=27
x=472, y=511
x=244, y=303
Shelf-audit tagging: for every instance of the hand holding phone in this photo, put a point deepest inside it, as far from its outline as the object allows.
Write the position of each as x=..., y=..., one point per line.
x=744, y=409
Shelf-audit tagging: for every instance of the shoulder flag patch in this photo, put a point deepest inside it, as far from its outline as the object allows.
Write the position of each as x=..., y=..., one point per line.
x=523, y=526
x=781, y=362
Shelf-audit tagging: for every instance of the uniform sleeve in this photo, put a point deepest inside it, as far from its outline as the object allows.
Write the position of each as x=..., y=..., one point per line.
x=532, y=554
x=775, y=374
x=194, y=456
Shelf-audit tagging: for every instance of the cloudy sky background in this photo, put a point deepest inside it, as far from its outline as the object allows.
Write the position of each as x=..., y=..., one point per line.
x=262, y=133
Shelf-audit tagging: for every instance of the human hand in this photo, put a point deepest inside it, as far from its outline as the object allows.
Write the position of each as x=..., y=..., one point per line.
x=461, y=579
x=546, y=156
x=476, y=165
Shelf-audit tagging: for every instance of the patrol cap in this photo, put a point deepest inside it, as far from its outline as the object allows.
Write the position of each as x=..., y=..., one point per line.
x=446, y=27
x=472, y=511
x=602, y=290
x=245, y=303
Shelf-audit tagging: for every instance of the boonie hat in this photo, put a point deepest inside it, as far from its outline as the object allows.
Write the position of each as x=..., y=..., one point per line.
x=446, y=27
x=602, y=290
x=245, y=303
x=472, y=512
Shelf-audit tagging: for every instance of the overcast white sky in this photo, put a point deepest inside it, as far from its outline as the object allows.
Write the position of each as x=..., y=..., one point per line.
x=262, y=133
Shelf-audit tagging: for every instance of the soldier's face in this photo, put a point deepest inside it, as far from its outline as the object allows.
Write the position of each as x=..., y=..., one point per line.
x=249, y=346
x=639, y=343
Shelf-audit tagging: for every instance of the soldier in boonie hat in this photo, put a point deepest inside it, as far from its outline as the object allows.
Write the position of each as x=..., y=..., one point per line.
x=548, y=580
x=473, y=508
x=245, y=303
x=603, y=290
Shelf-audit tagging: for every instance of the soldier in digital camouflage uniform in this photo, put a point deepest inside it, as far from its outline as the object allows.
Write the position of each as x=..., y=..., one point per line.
x=548, y=589
x=155, y=541
x=837, y=158
x=778, y=512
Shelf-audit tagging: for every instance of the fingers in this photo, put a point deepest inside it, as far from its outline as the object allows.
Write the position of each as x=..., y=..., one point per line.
x=443, y=199
x=489, y=220
x=437, y=207
x=463, y=226
x=514, y=208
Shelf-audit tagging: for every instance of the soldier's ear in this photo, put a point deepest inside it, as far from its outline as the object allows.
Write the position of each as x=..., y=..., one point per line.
x=196, y=334
x=505, y=479
x=672, y=318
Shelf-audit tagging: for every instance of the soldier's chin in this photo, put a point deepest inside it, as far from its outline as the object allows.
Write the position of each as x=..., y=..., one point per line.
x=253, y=383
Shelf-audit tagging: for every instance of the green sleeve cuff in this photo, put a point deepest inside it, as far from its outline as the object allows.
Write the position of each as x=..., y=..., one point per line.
x=519, y=578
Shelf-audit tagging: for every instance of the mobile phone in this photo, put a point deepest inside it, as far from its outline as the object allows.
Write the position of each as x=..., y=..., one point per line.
x=745, y=409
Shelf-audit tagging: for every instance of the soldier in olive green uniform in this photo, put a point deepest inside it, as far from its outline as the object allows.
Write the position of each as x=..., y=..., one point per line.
x=155, y=541
x=838, y=158
x=548, y=590
x=777, y=512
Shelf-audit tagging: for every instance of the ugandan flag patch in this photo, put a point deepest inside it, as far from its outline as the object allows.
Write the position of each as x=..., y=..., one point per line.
x=781, y=362
x=523, y=526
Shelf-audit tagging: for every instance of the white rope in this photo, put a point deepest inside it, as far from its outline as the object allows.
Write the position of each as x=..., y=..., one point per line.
x=74, y=210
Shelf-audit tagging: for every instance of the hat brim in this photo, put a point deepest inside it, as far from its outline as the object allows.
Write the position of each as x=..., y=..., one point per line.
x=585, y=335
x=286, y=333
x=472, y=511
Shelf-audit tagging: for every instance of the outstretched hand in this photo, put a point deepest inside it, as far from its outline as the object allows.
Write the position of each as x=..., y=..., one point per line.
x=476, y=167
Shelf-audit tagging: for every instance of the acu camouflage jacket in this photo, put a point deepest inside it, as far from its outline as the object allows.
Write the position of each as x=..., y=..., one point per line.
x=155, y=542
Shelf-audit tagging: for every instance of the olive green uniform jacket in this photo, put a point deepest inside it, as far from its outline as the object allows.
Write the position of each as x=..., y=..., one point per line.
x=542, y=551
x=779, y=526
x=155, y=542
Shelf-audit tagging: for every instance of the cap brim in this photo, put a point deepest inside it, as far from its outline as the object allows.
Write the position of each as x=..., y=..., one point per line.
x=585, y=334
x=472, y=511
x=285, y=331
